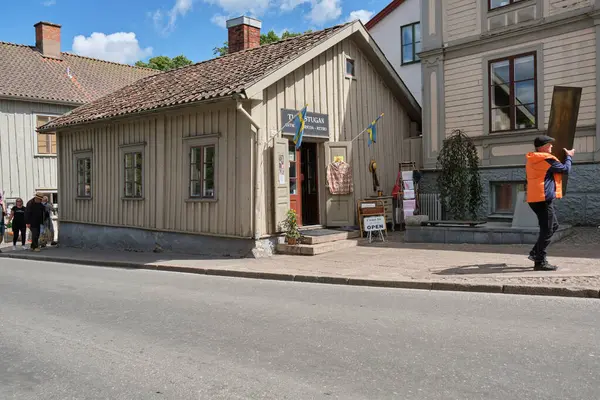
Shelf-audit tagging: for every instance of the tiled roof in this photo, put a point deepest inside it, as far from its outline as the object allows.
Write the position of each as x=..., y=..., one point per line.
x=25, y=73
x=222, y=76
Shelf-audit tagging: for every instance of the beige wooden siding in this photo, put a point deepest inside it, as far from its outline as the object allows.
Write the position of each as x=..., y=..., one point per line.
x=460, y=19
x=553, y=7
x=568, y=59
x=351, y=106
x=165, y=205
x=21, y=171
x=464, y=95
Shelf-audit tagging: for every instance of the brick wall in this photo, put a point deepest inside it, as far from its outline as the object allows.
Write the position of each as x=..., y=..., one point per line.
x=242, y=37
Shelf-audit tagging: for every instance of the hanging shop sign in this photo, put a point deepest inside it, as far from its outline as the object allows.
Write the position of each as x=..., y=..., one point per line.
x=315, y=125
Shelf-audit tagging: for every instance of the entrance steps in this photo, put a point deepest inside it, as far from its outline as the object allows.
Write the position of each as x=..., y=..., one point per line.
x=320, y=241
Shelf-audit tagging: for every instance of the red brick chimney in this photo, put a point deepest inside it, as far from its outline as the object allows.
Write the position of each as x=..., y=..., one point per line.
x=47, y=39
x=244, y=33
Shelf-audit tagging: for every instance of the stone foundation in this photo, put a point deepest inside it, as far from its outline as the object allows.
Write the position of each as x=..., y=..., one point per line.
x=580, y=206
x=491, y=233
x=96, y=237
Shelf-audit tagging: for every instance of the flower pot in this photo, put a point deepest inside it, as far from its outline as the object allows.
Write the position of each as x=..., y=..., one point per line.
x=292, y=241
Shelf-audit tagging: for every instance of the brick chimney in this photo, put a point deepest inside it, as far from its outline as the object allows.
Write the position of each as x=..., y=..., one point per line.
x=47, y=39
x=244, y=33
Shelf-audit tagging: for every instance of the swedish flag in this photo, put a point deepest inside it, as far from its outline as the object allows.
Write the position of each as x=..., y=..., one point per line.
x=372, y=131
x=299, y=123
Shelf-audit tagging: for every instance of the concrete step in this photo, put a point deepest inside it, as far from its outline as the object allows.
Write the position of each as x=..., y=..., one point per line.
x=315, y=249
x=312, y=240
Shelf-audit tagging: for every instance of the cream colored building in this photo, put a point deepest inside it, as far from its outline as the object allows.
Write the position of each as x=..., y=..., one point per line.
x=188, y=160
x=489, y=68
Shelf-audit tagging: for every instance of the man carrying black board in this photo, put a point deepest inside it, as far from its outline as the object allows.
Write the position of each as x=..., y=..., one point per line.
x=544, y=184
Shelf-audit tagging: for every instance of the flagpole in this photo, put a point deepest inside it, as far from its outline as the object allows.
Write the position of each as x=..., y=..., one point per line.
x=283, y=127
x=364, y=130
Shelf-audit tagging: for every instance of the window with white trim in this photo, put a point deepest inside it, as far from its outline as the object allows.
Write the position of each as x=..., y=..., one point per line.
x=46, y=142
x=83, y=166
x=202, y=172
x=133, y=167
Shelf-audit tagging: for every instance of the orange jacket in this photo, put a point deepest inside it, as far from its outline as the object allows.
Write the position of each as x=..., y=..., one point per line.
x=544, y=176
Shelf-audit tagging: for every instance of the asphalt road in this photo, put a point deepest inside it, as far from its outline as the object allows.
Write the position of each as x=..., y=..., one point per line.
x=75, y=332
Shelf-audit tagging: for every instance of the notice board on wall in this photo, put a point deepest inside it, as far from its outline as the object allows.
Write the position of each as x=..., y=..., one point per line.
x=562, y=123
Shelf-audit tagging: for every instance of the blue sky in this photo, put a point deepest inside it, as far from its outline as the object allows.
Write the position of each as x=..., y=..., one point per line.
x=129, y=30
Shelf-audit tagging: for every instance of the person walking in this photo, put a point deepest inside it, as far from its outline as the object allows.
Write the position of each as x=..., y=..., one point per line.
x=34, y=219
x=17, y=217
x=47, y=230
x=544, y=185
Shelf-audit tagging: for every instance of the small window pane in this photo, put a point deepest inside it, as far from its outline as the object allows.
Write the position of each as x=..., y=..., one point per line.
x=500, y=72
x=498, y=3
x=525, y=92
x=525, y=116
x=195, y=155
x=138, y=190
x=129, y=189
x=195, y=189
x=524, y=68
x=417, y=32
x=209, y=155
x=128, y=160
x=501, y=119
x=349, y=67
x=195, y=172
x=407, y=53
x=504, y=197
x=500, y=96
x=129, y=175
x=407, y=35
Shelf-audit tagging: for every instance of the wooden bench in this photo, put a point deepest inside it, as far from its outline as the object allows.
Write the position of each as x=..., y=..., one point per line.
x=454, y=223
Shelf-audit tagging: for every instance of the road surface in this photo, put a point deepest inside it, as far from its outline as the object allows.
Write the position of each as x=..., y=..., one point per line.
x=77, y=332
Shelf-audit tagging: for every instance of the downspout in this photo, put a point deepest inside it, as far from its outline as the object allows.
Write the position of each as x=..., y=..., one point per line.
x=241, y=109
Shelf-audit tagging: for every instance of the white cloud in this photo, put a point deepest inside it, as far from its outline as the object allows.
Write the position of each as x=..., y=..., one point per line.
x=363, y=15
x=252, y=7
x=219, y=20
x=179, y=9
x=325, y=10
x=121, y=47
x=49, y=3
x=288, y=5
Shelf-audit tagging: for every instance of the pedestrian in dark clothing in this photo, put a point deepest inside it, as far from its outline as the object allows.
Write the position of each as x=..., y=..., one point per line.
x=544, y=185
x=34, y=219
x=17, y=217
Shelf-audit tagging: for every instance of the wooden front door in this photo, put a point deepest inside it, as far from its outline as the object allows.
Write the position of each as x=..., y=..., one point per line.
x=340, y=208
x=295, y=174
x=310, y=184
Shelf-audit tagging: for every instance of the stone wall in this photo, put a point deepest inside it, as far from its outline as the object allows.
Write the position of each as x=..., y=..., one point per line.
x=580, y=206
x=87, y=236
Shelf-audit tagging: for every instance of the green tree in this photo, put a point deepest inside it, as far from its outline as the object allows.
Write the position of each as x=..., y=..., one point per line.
x=265, y=38
x=458, y=182
x=164, y=63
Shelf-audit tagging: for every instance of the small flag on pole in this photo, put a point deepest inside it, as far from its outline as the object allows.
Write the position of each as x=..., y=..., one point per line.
x=299, y=121
x=372, y=131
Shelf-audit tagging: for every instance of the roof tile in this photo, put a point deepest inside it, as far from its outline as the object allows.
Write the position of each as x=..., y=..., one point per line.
x=218, y=77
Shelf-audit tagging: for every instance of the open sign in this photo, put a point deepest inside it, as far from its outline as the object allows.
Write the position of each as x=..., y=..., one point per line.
x=374, y=223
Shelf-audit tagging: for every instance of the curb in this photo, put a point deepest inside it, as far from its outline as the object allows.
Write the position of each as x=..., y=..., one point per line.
x=513, y=289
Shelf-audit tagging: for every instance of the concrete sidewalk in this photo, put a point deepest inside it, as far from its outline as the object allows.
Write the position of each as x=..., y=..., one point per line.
x=485, y=268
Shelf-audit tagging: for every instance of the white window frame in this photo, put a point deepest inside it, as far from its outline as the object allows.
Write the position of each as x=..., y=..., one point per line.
x=494, y=186
x=346, y=74
x=35, y=135
x=127, y=149
x=81, y=155
x=189, y=144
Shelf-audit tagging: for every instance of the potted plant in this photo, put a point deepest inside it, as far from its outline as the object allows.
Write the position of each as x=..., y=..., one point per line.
x=292, y=234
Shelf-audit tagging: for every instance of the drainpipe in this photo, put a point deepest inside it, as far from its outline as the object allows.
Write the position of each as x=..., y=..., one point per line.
x=257, y=163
